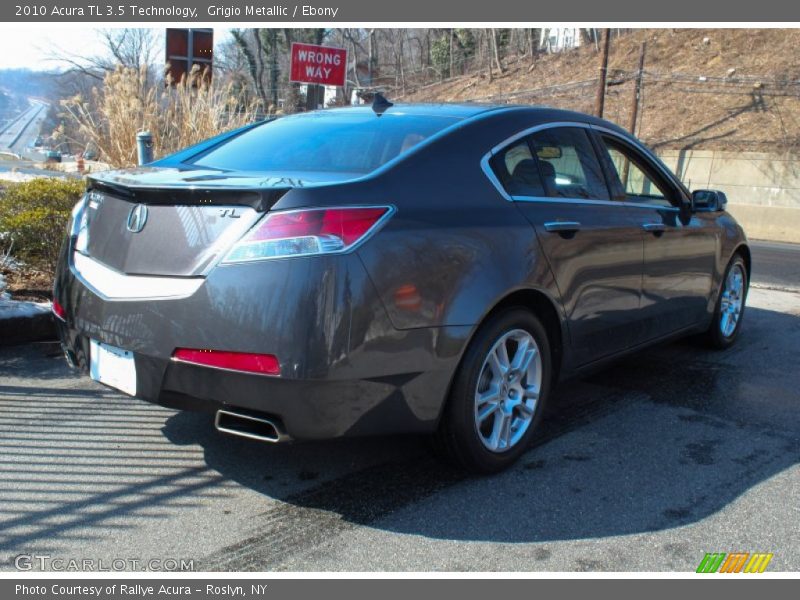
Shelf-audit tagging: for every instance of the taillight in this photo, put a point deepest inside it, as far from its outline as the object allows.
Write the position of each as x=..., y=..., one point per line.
x=308, y=232
x=266, y=364
x=79, y=229
x=59, y=311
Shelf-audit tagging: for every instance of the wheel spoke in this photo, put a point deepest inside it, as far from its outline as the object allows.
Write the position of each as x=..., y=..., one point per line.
x=504, y=434
x=526, y=411
x=532, y=392
x=489, y=408
x=724, y=324
x=490, y=395
x=523, y=360
x=519, y=354
x=498, y=361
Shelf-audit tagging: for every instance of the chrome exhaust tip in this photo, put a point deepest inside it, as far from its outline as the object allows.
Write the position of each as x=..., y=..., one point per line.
x=249, y=426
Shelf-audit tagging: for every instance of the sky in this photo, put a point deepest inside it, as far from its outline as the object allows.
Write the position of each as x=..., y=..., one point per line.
x=38, y=47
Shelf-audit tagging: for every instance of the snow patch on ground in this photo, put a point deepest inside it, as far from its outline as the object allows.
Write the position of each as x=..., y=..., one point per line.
x=12, y=309
x=17, y=177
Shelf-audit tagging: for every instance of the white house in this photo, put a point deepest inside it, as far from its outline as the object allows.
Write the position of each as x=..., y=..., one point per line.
x=555, y=39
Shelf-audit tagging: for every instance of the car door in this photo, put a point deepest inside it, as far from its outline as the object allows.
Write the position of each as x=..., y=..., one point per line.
x=679, y=247
x=593, y=244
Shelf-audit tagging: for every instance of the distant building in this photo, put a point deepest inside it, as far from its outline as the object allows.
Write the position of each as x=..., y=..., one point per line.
x=556, y=39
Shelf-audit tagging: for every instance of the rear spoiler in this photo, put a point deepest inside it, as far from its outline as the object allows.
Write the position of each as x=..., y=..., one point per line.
x=259, y=199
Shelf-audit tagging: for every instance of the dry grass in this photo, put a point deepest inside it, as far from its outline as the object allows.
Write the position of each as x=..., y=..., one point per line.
x=177, y=115
x=755, y=107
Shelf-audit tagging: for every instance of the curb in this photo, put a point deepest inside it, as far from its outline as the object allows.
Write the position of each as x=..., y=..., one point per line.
x=24, y=322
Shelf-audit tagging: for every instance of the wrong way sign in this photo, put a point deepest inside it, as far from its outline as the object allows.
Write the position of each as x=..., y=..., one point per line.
x=324, y=65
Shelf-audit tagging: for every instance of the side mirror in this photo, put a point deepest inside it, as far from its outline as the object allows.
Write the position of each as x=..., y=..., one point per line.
x=708, y=201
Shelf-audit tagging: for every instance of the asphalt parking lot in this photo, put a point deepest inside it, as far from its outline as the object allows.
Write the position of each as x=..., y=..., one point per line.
x=669, y=454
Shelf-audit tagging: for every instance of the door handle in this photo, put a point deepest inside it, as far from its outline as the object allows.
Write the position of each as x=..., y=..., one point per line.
x=654, y=227
x=562, y=226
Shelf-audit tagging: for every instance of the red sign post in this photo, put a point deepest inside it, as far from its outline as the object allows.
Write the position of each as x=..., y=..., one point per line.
x=318, y=64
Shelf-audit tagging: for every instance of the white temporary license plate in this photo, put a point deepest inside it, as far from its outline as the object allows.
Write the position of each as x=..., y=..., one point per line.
x=112, y=366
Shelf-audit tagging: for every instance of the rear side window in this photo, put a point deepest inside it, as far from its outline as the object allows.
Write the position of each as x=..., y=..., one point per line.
x=517, y=170
x=568, y=164
x=343, y=142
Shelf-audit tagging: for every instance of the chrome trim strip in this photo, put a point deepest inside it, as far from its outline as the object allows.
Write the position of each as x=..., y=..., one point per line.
x=113, y=285
x=487, y=170
x=534, y=129
x=594, y=202
x=556, y=226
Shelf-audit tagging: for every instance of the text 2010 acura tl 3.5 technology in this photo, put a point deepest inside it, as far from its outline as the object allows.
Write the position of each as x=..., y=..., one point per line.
x=416, y=269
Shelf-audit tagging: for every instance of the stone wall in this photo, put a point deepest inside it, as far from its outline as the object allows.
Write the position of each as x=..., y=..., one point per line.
x=763, y=189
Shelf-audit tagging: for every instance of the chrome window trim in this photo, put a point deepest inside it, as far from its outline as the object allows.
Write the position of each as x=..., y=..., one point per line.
x=492, y=177
x=594, y=202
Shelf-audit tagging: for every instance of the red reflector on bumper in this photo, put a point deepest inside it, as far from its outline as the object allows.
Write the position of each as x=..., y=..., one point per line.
x=59, y=311
x=266, y=364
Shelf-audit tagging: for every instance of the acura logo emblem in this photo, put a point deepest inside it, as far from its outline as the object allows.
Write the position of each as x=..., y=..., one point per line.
x=137, y=218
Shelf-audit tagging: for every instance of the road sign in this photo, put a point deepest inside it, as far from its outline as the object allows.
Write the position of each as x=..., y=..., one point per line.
x=324, y=65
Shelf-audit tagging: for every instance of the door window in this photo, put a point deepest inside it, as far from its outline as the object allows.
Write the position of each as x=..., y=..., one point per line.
x=568, y=164
x=635, y=177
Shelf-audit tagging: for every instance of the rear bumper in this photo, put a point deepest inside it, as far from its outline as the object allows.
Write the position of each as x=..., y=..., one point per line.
x=344, y=369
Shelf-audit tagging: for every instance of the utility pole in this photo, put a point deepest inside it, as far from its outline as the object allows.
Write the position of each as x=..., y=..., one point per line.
x=637, y=91
x=601, y=84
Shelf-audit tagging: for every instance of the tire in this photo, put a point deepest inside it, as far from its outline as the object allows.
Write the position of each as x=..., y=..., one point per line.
x=730, y=305
x=511, y=415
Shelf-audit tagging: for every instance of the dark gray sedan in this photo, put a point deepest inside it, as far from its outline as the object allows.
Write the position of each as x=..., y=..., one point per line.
x=401, y=269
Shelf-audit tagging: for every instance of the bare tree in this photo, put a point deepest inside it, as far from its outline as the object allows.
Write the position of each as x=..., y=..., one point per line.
x=495, y=50
x=132, y=48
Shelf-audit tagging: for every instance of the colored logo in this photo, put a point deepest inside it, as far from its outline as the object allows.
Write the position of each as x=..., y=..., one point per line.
x=736, y=562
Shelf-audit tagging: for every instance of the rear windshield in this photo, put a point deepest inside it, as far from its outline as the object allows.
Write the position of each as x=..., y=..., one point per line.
x=324, y=141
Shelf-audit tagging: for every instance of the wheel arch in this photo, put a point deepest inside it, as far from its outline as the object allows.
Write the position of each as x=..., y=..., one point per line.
x=744, y=250
x=540, y=304
x=545, y=308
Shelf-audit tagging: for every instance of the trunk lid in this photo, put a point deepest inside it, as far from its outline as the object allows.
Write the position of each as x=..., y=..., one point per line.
x=174, y=222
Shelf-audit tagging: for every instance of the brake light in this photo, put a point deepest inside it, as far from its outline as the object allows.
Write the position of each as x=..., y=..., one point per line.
x=59, y=311
x=266, y=364
x=308, y=232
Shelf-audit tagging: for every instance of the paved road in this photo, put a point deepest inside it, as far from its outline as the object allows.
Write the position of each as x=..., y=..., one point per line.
x=672, y=453
x=776, y=265
x=19, y=135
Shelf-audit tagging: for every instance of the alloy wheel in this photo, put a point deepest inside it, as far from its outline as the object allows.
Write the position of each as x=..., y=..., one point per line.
x=508, y=389
x=732, y=301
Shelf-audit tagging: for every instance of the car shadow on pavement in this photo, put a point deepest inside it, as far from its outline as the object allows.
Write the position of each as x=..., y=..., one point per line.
x=664, y=438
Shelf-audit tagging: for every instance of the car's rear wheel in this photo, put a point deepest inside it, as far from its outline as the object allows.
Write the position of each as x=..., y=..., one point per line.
x=729, y=310
x=498, y=393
